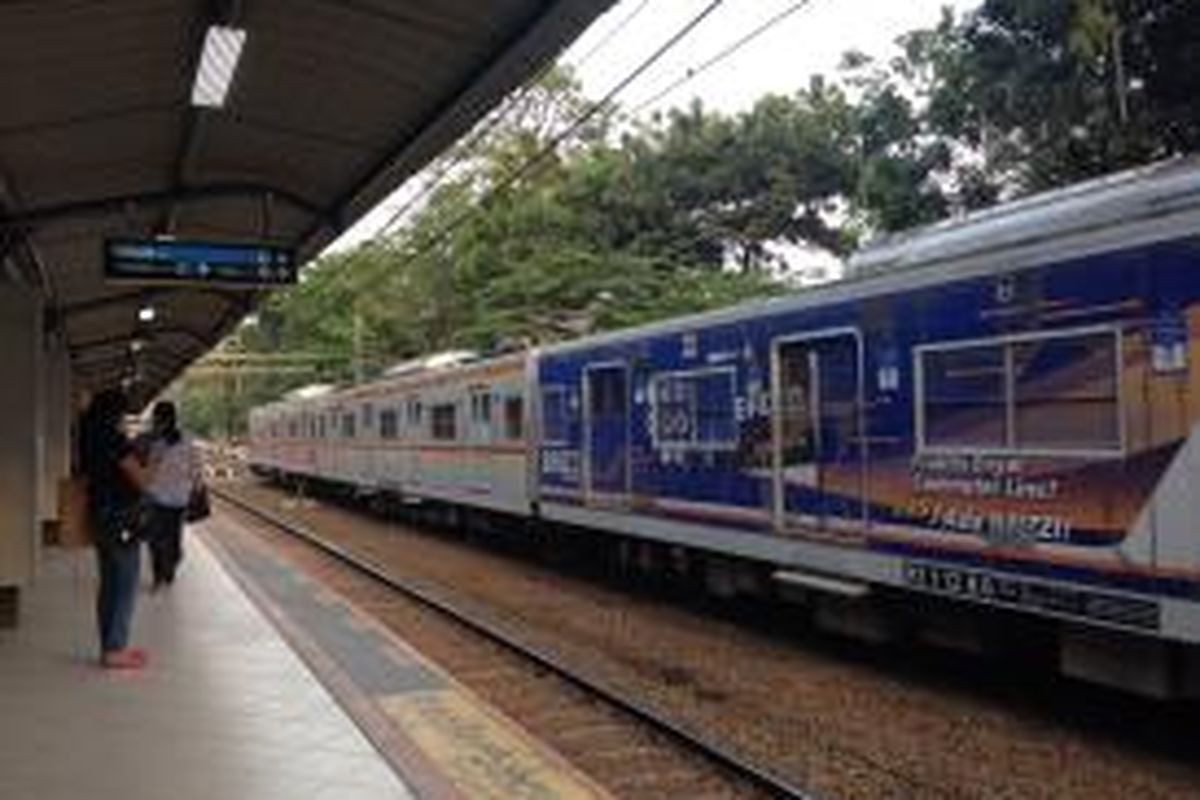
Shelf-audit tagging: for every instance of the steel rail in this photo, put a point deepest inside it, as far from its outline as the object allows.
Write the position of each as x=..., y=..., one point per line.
x=761, y=777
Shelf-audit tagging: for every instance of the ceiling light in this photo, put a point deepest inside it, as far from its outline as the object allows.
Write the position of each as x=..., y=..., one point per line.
x=136, y=345
x=147, y=314
x=218, y=62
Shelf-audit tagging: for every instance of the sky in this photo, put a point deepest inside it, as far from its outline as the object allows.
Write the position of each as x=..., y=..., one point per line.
x=805, y=43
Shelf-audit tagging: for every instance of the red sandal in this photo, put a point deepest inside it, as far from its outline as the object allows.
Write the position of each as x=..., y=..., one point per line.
x=128, y=658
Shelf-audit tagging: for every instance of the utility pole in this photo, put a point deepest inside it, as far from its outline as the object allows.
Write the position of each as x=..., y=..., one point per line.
x=358, y=347
x=1119, y=73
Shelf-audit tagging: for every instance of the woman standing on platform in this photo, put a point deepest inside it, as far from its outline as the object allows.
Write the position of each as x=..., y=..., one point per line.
x=115, y=478
x=175, y=475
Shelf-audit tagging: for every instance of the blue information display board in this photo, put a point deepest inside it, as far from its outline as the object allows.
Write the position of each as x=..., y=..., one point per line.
x=172, y=261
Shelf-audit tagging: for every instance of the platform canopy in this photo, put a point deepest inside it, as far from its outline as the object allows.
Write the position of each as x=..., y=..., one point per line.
x=106, y=131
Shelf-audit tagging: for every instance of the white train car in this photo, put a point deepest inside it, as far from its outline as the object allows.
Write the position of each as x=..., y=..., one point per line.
x=455, y=434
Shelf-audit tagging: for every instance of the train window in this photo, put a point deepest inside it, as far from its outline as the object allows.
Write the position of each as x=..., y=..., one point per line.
x=481, y=404
x=414, y=411
x=694, y=409
x=965, y=396
x=368, y=416
x=514, y=417
x=1051, y=393
x=444, y=420
x=291, y=429
x=321, y=426
x=348, y=426
x=607, y=388
x=556, y=415
x=389, y=427
x=1065, y=393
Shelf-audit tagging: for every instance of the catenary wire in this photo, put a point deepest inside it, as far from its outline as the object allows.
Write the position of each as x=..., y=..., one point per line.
x=546, y=151
x=724, y=53
x=612, y=34
x=514, y=101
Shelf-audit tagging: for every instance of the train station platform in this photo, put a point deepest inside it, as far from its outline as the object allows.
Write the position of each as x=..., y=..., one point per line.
x=225, y=709
x=262, y=684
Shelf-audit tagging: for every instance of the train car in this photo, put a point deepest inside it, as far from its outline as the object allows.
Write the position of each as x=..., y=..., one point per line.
x=995, y=421
x=453, y=433
x=1002, y=412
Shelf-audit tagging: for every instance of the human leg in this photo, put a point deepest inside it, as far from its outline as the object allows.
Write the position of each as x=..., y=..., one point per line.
x=157, y=534
x=129, y=564
x=117, y=591
x=105, y=592
x=173, y=530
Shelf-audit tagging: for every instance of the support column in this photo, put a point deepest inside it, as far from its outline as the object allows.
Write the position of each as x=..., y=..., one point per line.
x=56, y=429
x=20, y=431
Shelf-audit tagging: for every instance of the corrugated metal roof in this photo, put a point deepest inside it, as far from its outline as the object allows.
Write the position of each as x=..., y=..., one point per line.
x=334, y=104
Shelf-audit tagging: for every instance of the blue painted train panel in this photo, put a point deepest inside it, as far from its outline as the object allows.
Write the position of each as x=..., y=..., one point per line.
x=1024, y=417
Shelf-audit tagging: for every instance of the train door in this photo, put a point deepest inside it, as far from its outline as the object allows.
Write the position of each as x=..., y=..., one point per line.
x=606, y=433
x=479, y=460
x=819, y=466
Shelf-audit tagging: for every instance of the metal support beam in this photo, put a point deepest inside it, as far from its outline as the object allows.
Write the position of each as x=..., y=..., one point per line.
x=143, y=333
x=146, y=295
x=211, y=12
x=100, y=303
x=115, y=204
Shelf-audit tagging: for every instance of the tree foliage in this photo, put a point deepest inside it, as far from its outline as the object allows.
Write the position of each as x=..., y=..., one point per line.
x=632, y=221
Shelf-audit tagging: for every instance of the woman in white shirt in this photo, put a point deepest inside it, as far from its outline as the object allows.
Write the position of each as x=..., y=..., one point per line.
x=175, y=474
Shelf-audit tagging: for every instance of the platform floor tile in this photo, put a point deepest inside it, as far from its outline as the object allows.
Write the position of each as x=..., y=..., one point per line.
x=226, y=709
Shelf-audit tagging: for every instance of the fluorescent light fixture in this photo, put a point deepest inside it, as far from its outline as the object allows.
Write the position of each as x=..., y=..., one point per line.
x=147, y=314
x=218, y=62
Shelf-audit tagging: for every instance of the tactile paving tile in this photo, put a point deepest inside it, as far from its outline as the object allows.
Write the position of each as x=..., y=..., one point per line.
x=476, y=752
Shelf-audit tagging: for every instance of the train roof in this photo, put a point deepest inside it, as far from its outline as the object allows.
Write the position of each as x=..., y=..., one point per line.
x=451, y=366
x=1123, y=210
x=1107, y=200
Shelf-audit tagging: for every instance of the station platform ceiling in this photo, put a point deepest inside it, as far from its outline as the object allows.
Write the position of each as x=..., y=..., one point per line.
x=105, y=131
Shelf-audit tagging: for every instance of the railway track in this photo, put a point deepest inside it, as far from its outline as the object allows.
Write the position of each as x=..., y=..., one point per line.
x=824, y=716
x=762, y=780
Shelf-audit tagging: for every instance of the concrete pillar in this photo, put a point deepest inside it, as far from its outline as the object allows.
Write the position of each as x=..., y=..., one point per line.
x=20, y=431
x=55, y=443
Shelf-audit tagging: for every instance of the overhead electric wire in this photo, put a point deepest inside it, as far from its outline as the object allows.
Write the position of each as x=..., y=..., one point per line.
x=481, y=132
x=490, y=124
x=610, y=35
x=547, y=150
x=724, y=53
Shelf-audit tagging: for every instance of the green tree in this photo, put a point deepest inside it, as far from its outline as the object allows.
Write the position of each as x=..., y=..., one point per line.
x=1048, y=92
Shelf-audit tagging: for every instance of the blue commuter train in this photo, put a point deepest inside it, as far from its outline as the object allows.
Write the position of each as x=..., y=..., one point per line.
x=999, y=411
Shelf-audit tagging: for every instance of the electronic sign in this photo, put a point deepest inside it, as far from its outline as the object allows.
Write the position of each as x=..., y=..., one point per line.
x=175, y=261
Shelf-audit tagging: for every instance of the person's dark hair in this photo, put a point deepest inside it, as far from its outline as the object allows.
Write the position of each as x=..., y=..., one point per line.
x=166, y=422
x=107, y=409
x=98, y=423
